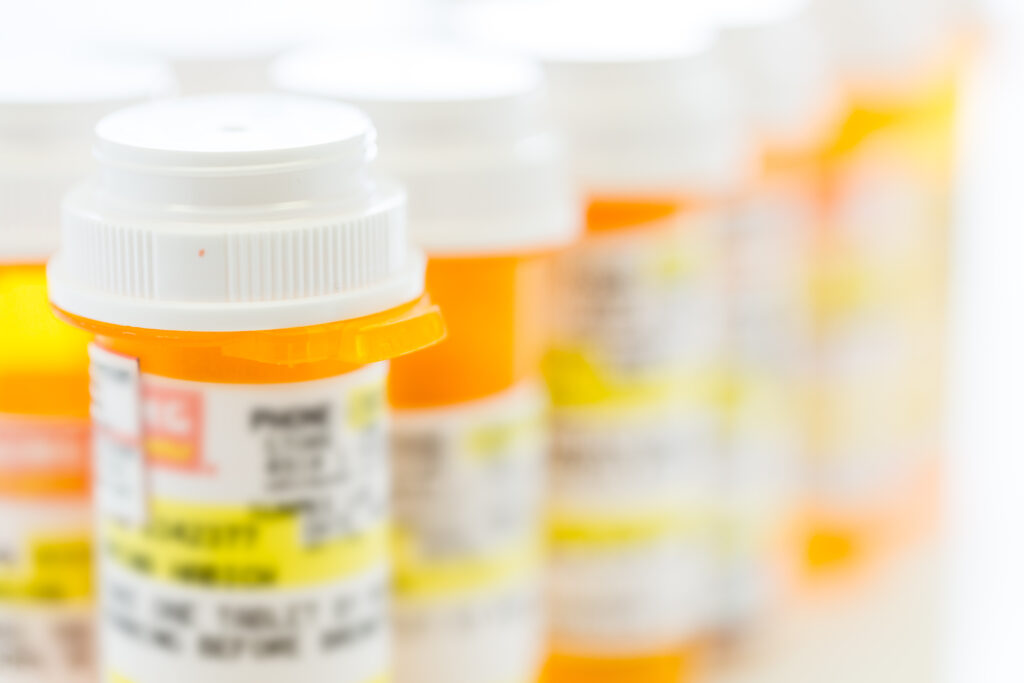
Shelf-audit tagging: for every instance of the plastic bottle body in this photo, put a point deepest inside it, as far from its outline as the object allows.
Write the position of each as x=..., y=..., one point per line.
x=880, y=299
x=633, y=373
x=45, y=546
x=469, y=446
x=242, y=500
x=770, y=341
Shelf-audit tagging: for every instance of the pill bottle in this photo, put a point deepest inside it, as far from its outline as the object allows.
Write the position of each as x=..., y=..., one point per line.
x=489, y=201
x=792, y=98
x=880, y=291
x=47, y=113
x=657, y=148
x=246, y=279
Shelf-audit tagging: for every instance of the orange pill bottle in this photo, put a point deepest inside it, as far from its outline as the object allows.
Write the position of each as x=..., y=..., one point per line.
x=656, y=146
x=46, y=117
x=792, y=99
x=489, y=201
x=246, y=279
x=880, y=290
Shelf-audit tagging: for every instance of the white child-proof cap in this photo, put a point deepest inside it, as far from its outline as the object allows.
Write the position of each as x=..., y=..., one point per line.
x=886, y=47
x=466, y=134
x=49, y=103
x=645, y=106
x=234, y=212
x=790, y=87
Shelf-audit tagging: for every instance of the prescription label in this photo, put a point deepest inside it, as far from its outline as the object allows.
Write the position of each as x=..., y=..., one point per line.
x=770, y=343
x=257, y=545
x=771, y=237
x=630, y=529
x=635, y=309
x=878, y=404
x=46, y=632
x=468, y=501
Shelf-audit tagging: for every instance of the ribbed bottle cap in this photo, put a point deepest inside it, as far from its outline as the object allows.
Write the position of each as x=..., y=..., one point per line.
x=644, y=104
x=466, y=134
x=790, y=88
x=234, y=212
x=49, y=103
x=888, y=47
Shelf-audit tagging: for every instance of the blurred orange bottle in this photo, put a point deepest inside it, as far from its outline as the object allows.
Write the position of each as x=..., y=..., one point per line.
x=490, y=200
x=880, y=290
x=246, y=281
x=47, y=112
x=656, y=145
x=793, y=100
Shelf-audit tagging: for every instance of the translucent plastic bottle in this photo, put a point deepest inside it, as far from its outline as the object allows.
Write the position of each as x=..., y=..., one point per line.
x=47, y=112
x=657, y=147
x=793, y=99
x=490, y=200
x=881, y=287
x=246, y=279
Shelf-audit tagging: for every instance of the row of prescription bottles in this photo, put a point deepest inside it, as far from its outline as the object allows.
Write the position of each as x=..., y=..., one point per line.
x=627, y=442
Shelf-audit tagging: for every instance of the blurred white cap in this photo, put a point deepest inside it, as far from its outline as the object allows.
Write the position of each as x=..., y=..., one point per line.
x=234, y=212
x=888, y=46
x=50, y=102
x=641, y=100
x=465, y=131
x=790, y=88
x=228, y=46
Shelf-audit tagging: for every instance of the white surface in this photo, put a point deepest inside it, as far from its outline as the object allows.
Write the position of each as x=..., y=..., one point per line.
x=986, y=506
x=885, y=631
x=465, y=132
x=234, y=212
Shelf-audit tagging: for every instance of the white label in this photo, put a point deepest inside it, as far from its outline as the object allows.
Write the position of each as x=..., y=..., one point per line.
x=263, y=556
x=636, y=303
x=117, y=435
x=770, y=265
x=770, y=345
x=879, y=400
x=631, y=546
x=49, y=645
x=468, y=501
x=632, y=374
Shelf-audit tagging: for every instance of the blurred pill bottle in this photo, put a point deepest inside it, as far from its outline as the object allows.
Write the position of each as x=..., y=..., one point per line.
x=246, y=279
x=657, y=148
x=793, y=101
x=49, y=103
x=490, y=201
x=880, y=290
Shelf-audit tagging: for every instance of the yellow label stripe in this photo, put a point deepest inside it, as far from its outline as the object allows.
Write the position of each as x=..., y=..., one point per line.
x=418, y=578
x=610, y=531
x=239, y=547
x=58, y=570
